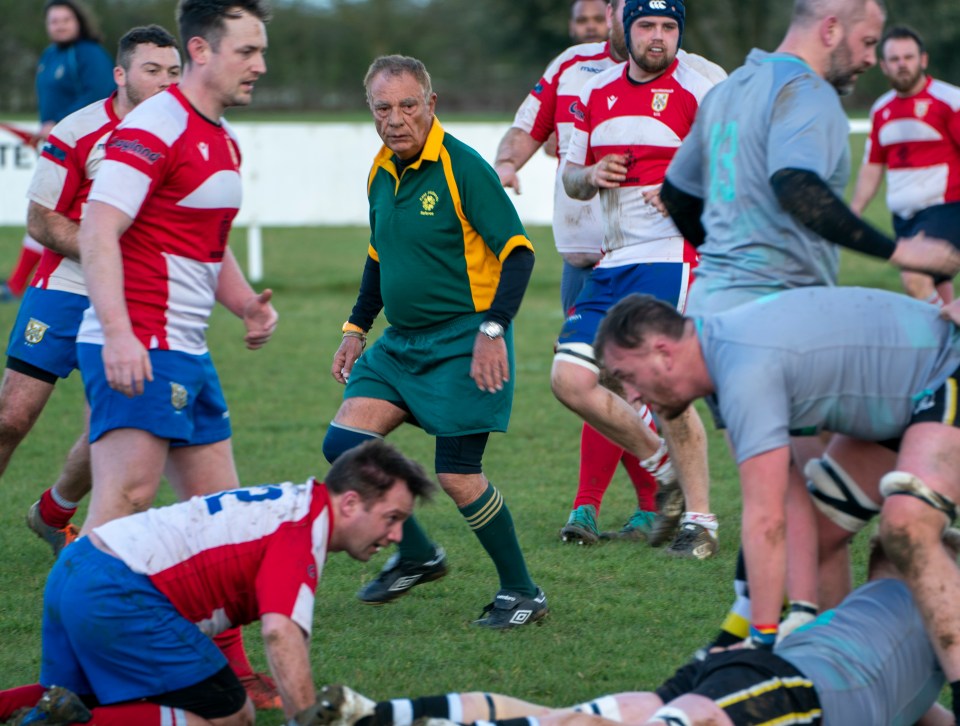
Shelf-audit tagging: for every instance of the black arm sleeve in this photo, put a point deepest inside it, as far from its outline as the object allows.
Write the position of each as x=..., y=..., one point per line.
x=514, y=277
x=685, y=211
x=369, y=303
x=807, y=197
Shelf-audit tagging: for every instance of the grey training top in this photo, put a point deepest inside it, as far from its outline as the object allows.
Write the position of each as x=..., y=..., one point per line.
x=849, y=360
x=772, y=113
x=869, y=659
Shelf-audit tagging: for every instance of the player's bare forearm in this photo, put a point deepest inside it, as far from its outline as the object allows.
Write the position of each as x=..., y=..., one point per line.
x=233, y=290
x=99, y=243
x=763, y=479
x=868, y=182
x=287, y=652
x=516, y=148
x=53, y=231
x=577, y=182
x=583, y=182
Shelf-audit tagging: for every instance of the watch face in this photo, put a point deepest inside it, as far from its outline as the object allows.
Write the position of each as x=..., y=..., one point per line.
x=491, y=329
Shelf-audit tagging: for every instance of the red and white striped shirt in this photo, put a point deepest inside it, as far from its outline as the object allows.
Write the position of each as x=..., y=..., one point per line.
x=646, y=122
x=61, y=182
x=225, y=559
x=918, y=139
x=177, y=174
x=577, y=225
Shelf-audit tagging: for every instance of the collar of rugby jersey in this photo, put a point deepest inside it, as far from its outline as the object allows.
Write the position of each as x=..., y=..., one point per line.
x=430, y=152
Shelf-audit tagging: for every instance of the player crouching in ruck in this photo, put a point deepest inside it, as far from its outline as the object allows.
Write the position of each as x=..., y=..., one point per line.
x=130, y=609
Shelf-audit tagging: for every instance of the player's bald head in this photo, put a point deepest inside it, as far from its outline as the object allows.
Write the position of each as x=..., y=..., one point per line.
x=810, y=12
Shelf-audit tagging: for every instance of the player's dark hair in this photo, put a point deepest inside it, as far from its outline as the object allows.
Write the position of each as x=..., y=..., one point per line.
x=901, y=32
x=207, y=18
x=628, y=323
x=152, y=34
x=372, y=468
x=89, y=29
x=397, y=65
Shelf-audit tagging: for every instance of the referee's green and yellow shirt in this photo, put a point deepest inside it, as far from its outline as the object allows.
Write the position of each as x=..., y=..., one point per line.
x=440, y=232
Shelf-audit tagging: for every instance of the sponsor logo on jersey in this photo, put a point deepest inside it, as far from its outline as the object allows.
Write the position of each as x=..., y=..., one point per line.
x=35, y=331
x=921, y=106
x=178, y=396
x=204, y=150
x=610, y=101
x=538, y=89
x=592, y=69
x=428, y=201
x=660, y=101
x=576, y=111
x=136, y=148
x=54, y=151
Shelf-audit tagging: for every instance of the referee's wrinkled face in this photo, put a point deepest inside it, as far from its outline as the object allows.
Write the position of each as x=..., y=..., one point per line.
x=402, y=112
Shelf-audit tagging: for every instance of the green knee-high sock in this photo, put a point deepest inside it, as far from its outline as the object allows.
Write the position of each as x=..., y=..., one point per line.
x=490, y=520
x=415, y=545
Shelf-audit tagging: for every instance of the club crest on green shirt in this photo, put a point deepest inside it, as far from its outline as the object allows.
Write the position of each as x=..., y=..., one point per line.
x=429, y=201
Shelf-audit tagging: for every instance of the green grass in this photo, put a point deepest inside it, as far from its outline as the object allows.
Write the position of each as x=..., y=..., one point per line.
x=623, y=615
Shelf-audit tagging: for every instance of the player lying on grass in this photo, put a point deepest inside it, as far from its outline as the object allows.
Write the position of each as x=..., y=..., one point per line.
x=130, y=609
x=869, y=661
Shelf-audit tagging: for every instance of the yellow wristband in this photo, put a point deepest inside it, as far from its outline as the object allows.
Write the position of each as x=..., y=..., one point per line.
x=349, y=327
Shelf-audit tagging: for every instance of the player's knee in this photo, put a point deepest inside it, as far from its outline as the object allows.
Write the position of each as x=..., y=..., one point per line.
x=340, y=439
x=574, y=373
x=838, y=496
x=246, y=715
x=913, y=518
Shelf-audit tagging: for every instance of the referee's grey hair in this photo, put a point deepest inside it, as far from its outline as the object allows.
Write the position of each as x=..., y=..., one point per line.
x=397, y=65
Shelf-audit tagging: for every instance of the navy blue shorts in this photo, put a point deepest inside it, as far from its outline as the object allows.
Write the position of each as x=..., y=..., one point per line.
x=667, y=281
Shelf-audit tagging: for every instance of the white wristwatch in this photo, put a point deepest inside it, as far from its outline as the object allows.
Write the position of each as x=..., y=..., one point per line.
x=491, y=329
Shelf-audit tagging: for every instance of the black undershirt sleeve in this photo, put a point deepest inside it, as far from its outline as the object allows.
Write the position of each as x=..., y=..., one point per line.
x=807, y=197
x=685, y=211
x=369, y=302
x=514, y=277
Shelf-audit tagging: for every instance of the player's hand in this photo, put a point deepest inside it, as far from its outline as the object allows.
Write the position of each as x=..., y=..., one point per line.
x=489, y=368
x=652, y=197
x=951, y=312
x=350, y=349
x=609, y=172
x=507, y=171
x=926, y=254
x=260, y=319
x=126, y=364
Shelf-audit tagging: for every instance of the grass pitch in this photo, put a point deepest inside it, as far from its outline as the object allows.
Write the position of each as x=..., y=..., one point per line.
x=623, y=616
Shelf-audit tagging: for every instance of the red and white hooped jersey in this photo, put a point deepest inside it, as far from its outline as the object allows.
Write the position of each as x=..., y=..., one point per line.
x=918, y=139
x=225, y=559
x=577, y=226
x=646, y=122
x=177, y=175
x=61, y=182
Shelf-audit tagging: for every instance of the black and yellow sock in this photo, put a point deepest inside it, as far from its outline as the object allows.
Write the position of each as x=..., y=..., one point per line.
x=490, y=520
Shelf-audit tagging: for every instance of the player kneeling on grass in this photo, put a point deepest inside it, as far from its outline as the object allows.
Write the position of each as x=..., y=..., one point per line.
x=869, y=661
x=129, y=610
